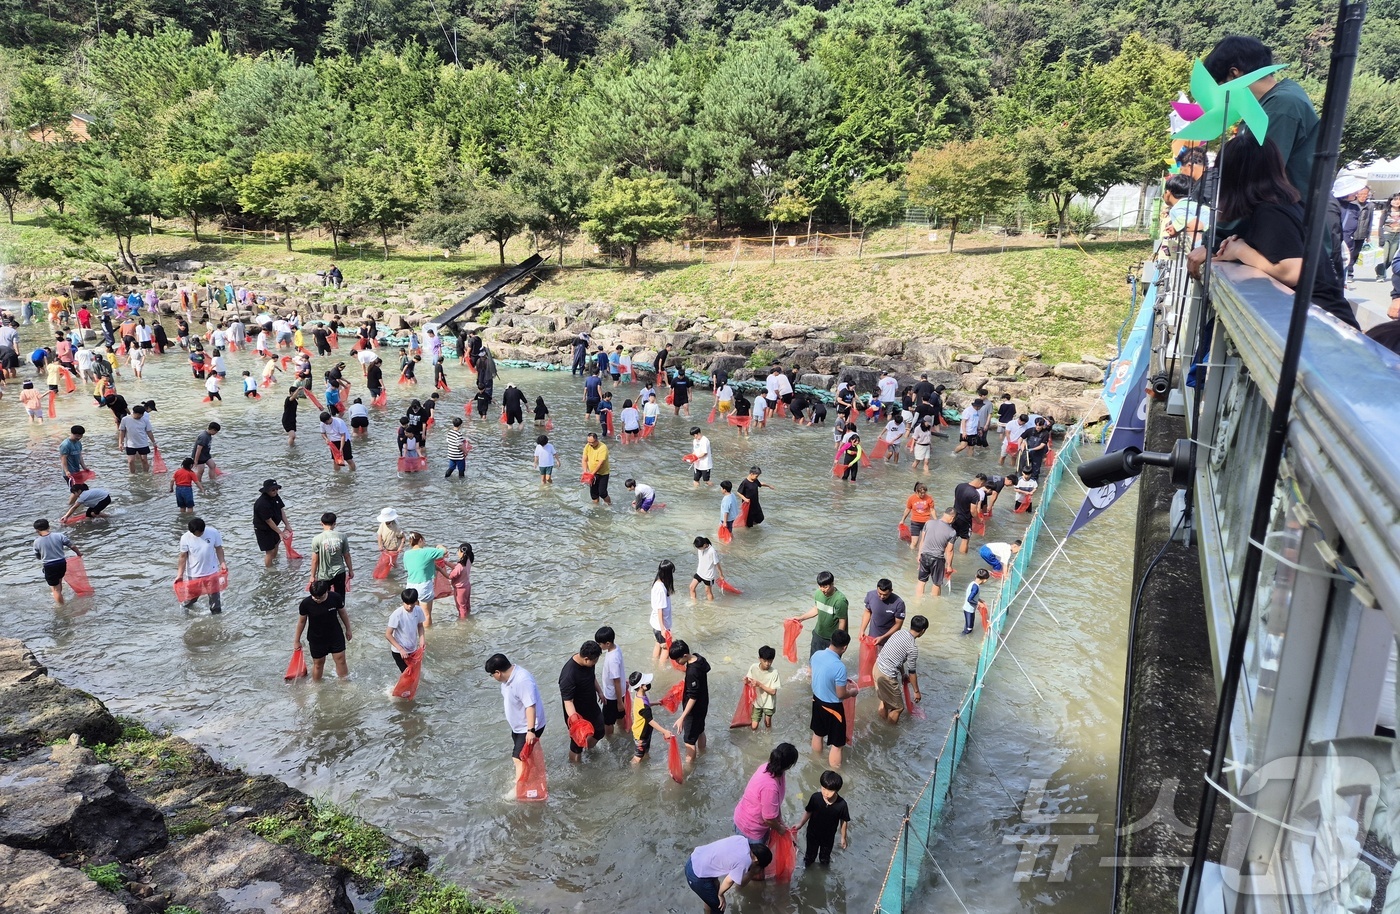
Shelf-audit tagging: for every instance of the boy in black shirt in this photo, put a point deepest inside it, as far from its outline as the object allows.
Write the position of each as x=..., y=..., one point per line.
x=690, y=726
x=826, y=813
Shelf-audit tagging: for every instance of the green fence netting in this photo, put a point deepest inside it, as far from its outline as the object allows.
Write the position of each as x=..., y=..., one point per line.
x=926, y=812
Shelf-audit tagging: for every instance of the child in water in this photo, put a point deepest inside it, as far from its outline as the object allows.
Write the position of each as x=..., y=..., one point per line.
x=541, y=411
x=826, y=814
x=250, y=386
x=766, y=682
x=642, y=721
x=544, y=460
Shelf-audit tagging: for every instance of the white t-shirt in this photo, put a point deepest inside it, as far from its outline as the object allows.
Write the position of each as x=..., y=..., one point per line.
x=970, y=417
x=889, y=389
x=203, y=560
x=1027, y=486
x=219, y=364
x=894, y=431
x=84, y=357
x=520, y=692
x=660, y=607
x=262, y=339
x=707, y=562
x=760, y=409
x=143, y=333
x=545, y=454
x=651, y=410
x=631, y=420
x=725, y=394
x=1014, y=430
x=336, y=429
x=772, y=385
x=280, y=327
x=358, y=411
x=784, y=385
x=645, y=492
x=613, y=669
x=366, y=357
x=211, y=383
x=700, y=447
x=1002, y=551
x=404, y=624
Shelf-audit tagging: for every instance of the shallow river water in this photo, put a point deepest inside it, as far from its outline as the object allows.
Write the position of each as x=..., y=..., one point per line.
x=550, y=569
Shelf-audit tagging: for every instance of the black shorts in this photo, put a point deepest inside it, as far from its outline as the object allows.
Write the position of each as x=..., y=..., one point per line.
x=133, y=451
x=915, y=528
x=267, y=540
x=598, y=488
x=962, y=525
x=701, y=580
x=54, y=572
x=346, y=451
x=659, y=635
x=518, y=741
x=594, y=715
x=101, y=506
x=932, y=568
x=332, y=645
x=829, y=721
x=203, y=459
x=616, y=376
x=289, y=425
x=359, y=422
x=786, y=398
x=695, y=726
x=592, y=406
x=612, y=711
x=702, y=475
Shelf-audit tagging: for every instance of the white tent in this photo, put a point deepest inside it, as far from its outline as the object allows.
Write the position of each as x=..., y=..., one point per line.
x=1384, y=177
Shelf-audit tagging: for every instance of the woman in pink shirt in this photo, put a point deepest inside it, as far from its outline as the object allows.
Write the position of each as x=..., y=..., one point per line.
x=761, y=807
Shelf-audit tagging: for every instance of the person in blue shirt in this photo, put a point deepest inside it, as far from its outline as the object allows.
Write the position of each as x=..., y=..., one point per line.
x=829, y=690
x=615, y=365
x=600, y=359
x=973, y=597
x=728, y=505
x=592, y=392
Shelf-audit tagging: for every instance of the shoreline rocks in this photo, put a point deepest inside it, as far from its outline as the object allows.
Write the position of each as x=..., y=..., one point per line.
x=534, y=328
x=166, y=824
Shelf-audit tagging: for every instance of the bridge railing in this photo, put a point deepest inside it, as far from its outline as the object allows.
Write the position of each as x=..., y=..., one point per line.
x=1328, y=600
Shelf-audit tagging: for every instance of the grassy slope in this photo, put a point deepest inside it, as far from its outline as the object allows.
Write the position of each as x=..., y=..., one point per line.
x=1062, y=302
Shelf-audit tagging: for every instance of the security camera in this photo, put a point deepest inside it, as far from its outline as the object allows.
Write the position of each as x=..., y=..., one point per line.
x=1129, y=462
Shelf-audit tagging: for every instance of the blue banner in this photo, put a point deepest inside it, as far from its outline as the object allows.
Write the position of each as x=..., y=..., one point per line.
x=1126, y=396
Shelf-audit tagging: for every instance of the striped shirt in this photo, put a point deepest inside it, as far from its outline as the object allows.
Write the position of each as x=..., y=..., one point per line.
x=899, y=650
x=454, y=445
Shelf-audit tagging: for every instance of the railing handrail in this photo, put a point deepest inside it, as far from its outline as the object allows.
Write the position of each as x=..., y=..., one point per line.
x=1345, y=423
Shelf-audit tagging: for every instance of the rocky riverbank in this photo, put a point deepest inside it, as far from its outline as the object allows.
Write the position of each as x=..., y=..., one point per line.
x=538, y=329
x=100, y=816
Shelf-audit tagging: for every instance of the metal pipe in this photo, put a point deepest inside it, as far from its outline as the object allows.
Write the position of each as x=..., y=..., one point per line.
x=1350, y=16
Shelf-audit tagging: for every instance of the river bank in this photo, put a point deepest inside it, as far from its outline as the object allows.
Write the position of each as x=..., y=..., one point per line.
x=98, y=815
x=537, y=328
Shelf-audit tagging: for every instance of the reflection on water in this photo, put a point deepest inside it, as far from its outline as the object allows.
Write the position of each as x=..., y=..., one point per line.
x=550, y=569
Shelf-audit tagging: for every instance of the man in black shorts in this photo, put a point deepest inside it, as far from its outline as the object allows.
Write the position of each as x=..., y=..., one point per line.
x=967, y=497
x=690, y=726
x=524, y=707
x=322, y=616
x=936, y=552
x=579, y=690
x=829, y=691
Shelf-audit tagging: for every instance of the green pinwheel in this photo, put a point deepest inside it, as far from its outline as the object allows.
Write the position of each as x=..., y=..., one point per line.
x=1226, y=104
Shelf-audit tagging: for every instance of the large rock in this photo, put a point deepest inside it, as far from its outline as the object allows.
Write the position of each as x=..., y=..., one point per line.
x=888, y=346
x=35, y=709
x=1000, y=352
x=819, y=381
x=230, y=870
x=60, y=799
x=997, y=367
x=787, y=331
x=1078, y=371
x=1070, y=409
x=1035, y=370
x=934, y=355
x=863, y=379
x=543, y=323
x=726, y=363
x=35, y=884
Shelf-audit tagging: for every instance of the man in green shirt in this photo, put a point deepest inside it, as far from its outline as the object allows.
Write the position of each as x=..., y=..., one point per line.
x=829, y=608
x=330, y=556
x=1293, y=124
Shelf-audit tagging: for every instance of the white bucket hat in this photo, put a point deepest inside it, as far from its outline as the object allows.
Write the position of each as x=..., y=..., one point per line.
x=388, y=515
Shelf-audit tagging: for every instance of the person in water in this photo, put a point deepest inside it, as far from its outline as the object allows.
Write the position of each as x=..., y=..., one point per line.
x=523, y=706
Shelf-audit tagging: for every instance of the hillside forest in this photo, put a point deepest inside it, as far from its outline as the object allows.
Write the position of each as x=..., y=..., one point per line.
x=627, y=121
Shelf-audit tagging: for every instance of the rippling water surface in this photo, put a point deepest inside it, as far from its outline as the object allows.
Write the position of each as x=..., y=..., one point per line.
x=550, y=569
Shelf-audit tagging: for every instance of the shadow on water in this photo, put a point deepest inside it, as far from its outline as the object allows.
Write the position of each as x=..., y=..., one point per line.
x=550, y=569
